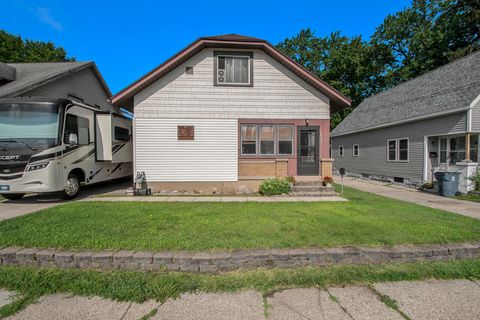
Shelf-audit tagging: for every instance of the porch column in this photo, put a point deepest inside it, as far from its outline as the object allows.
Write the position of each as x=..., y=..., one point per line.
x=467, y=146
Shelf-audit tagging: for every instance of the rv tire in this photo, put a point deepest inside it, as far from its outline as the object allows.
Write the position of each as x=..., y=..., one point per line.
x=72, y=188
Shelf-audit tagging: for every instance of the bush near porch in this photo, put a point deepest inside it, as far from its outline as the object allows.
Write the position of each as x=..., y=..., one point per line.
x=366, y=219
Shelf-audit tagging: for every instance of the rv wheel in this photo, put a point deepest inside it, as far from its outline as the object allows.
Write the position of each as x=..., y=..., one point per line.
x=72, y=188
x=12, y=196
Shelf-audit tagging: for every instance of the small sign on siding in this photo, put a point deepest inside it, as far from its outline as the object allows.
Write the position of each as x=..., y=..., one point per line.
x=185, y=132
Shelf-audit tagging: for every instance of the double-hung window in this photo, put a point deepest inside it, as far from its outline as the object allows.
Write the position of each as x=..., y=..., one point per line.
x=457, y=149
x=233, y=68
x=285, y=139
x=267, y=139
x=340, y=151
x=397, y=150
x=392, y=150
x=356, y=150
x=249, y=139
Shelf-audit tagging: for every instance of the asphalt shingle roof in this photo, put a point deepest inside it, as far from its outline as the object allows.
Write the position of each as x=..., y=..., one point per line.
x=32, y=75
x=452, y=86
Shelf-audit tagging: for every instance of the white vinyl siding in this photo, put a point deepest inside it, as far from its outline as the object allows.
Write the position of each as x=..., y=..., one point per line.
x=212, y=156
x=276, y=93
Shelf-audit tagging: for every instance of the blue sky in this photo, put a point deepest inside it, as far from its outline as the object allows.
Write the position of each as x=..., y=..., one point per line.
x=128, y=38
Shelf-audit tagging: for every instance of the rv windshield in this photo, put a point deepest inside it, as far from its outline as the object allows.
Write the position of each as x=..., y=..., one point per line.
x=31, y=123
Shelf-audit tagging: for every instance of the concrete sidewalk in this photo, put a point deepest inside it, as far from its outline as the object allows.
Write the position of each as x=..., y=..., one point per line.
x=466, y=208
x=432, y=299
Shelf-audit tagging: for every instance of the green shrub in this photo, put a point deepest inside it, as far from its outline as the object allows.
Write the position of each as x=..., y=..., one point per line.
x=272, y=187
x=475, y=178
x=291, y=180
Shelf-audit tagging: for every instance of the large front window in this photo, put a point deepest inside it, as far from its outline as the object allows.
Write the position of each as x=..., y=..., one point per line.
x=454, y=149
x=266, y=139
x=30, y=123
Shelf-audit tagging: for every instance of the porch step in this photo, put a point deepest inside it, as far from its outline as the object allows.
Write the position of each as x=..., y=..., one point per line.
x=313, y=194
x=304, y=188
x=312, y=189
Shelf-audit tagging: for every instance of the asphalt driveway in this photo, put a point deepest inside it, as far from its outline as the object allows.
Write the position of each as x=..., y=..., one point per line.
x=31, y=203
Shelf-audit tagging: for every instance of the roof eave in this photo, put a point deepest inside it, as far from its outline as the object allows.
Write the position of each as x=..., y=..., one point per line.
x=124, y=97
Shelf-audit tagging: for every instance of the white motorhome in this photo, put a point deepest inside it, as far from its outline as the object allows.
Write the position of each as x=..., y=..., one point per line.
x=57, y=145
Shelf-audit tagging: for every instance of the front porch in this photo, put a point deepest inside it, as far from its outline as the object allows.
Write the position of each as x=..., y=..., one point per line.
x=452, y=153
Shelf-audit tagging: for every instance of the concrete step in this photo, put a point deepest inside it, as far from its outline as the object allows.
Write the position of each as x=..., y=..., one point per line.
x=309, y=183
x=302, y=188
x=313, y=194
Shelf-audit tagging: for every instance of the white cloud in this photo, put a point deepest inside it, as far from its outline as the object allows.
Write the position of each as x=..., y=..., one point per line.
x=44, y=16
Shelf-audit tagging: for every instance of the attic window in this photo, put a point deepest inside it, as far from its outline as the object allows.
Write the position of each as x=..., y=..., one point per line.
x=189, y=70
x=233, y=68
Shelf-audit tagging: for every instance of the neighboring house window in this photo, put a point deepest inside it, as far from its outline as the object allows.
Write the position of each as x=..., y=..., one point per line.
x=356, y=150
x=403, y=149
x=79, y=126
x=233, y=68
x=267, y=139
x=474, y=148
x=249, y=139
x=285, y=140
x=340, y=151
x=457, y=150
x=443, y=150
x=392, y=150
x=121, y=134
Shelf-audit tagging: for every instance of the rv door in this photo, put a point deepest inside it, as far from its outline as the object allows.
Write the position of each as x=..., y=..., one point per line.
x=103, y=137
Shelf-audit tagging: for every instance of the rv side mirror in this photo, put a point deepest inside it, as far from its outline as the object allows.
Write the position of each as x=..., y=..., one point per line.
x=73, y=139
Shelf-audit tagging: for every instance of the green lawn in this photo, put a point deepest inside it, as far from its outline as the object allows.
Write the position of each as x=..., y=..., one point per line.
x=366, y=219
x=469, y=198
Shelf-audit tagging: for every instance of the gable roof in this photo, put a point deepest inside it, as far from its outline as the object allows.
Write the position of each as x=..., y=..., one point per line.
x=32, y=75
x=125, y=96
x=448, y=89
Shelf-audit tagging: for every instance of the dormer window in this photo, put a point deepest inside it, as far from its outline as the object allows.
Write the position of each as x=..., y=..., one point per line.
x=233, y=68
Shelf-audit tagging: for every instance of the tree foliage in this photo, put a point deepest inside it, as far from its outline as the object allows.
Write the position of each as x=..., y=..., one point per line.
x=15, y=49
x=420, y=38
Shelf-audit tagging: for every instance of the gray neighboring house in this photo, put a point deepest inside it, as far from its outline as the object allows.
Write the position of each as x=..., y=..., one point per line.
x=404, y=134
x=77, y=80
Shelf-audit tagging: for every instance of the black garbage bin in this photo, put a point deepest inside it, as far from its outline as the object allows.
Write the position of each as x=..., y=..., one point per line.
x=447, y=183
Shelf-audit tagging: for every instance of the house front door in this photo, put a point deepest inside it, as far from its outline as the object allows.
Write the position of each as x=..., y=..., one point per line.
x=308, y=151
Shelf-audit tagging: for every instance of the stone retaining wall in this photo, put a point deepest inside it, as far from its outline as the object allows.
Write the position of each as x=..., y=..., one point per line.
x=222, y=261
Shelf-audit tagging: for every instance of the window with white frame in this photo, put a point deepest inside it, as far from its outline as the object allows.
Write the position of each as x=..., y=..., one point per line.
x=457, y=150
x=443, y=150
x=233, y=68
x=392, y=150
x=397, y=150
x=248, y=139
x=356, y=150
x=474, y=148
x=403, y=149
x=285, y=139
x=340, y=151
x=267, y=139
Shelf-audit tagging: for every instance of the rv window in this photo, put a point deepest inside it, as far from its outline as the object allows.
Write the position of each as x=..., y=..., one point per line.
x=79, y=126
x=122, y=134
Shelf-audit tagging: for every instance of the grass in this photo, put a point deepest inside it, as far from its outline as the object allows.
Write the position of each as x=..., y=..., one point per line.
x=472, y=197
x=139, y=287
x=366, y=219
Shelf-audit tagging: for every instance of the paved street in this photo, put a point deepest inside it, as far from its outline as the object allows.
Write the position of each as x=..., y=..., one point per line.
x=31, y=203
x=432, y=299
x=466, y=208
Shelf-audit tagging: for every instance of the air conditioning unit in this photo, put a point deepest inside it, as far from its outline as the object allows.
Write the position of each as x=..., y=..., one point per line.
x=221, y=75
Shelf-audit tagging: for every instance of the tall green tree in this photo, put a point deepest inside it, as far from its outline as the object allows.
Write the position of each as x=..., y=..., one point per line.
x=351, y=65
x=428, y=34
x=15, y=49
